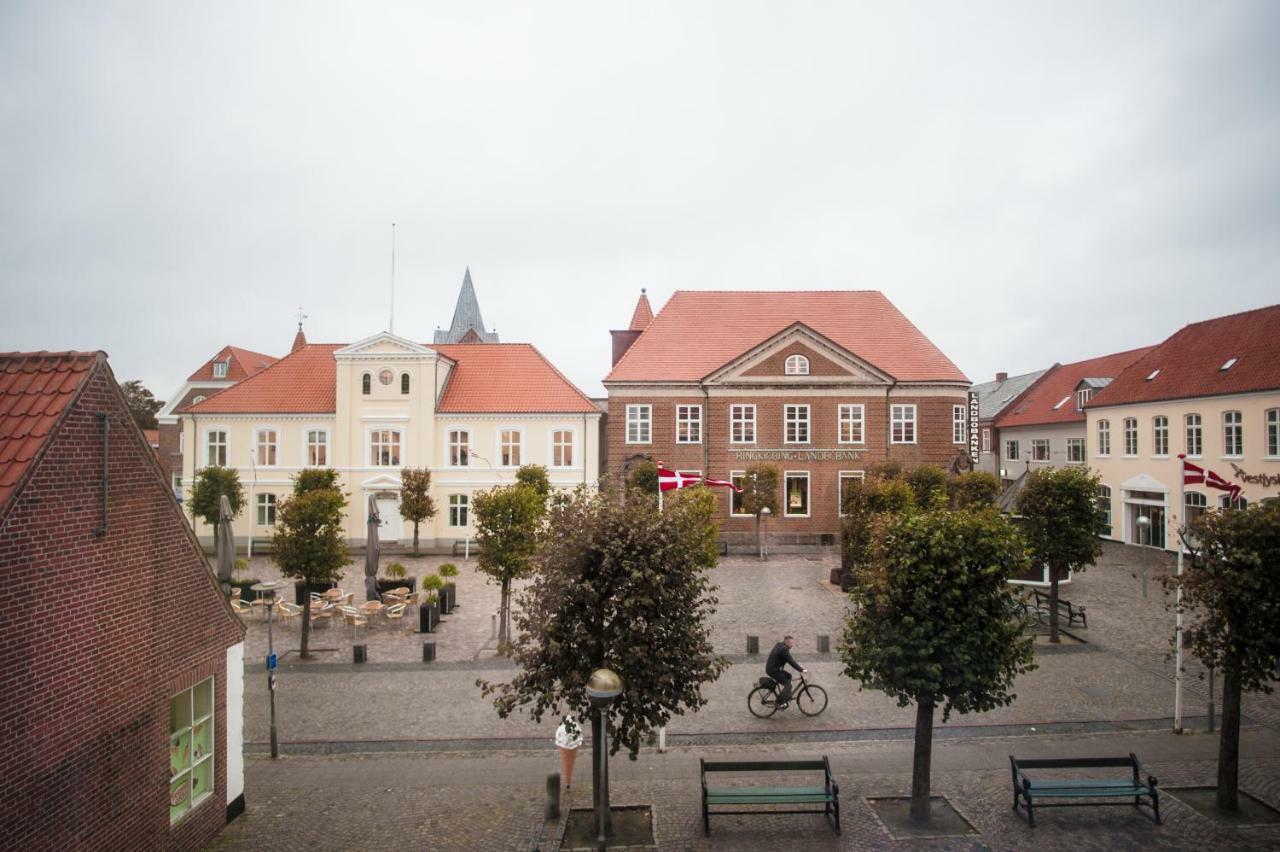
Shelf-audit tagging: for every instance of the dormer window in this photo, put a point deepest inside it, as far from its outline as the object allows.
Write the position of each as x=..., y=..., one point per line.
x=797, y=365
x=220, y=369
x=1082, y=396
x=1231, y=362
x=366, y=384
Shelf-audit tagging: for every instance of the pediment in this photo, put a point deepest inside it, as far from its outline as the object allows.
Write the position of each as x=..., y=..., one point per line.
x=1144, y=482
x=382, y=480
x=828, y=362
x=383, y=344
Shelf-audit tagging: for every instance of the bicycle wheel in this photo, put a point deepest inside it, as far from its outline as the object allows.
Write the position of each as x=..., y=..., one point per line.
x=762, y=702
x=811, y=700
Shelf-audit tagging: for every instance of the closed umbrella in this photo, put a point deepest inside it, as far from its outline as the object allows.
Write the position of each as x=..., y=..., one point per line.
x=225, y=544
x=371, y=552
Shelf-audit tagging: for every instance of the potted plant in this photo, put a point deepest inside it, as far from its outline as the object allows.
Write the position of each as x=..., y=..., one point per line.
x=396, y=577
x=429, y=605
x=450, y=592
x=243, y=583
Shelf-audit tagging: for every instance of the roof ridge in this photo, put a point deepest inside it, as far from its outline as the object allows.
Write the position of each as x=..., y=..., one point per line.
x=252, y=376
x=1142, y=349
x=556, y=370
x=1226, y=316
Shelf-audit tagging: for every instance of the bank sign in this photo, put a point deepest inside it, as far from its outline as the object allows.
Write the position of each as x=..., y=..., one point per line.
x=796, y=455
x=973, y=426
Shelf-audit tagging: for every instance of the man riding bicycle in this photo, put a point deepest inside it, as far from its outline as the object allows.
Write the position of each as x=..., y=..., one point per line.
x=779, y=657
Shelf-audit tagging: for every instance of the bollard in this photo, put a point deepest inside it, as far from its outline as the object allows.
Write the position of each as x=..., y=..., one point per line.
x=824, y=643
x=753, y=644
x=428, y=651
x=553, y=796
x=359, y=654
x=426, y=618
x=493, y=626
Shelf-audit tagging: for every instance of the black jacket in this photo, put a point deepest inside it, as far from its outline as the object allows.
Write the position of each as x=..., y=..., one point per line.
x=781, y=656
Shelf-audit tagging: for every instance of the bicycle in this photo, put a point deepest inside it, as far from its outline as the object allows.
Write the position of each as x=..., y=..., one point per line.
x=809, y=698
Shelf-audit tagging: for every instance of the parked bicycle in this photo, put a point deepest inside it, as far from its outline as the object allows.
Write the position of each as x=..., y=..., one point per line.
x=762, y=700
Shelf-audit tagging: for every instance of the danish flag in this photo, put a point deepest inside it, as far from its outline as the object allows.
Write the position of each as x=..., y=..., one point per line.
x=669, y=480
x=1194, y=475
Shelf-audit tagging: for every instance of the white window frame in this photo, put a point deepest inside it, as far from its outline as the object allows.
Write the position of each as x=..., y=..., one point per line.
x=1160, y=436
x=738, y=417
x=182, y=442
x=689, y=417
x=959, y=424
x=986, y=439
x=1012, y=444
x=639, y=415
x=796, y=365
x=264, y=510
x=1193, y=500
x=851, y=414
x=398, y=443
x=1129, y=428
x=190, y=766
x=175, y=480
x=459, y=503
x=1228, y=426
x=791, y=416
x=734, y=476
x=1082, y=396
x=1075, y=447
x=464, y=456
x=860, y=475
x=1197, y=429
x=273, y=447
x=1111, y=528
x=899, y=422
x=1271, y=424
x=1104, y=438
x=307, y=444
x=1037, y=444
x=503, y=445
x=808, y=494
x=225, y=445
x=220, y=369
x=555, y=445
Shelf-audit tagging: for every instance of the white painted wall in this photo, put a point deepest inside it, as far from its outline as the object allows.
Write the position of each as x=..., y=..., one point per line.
x=235, y=722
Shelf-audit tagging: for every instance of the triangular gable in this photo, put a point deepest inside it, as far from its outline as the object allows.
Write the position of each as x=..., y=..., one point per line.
x=1144, y=482
x=382, y=480
x=383, y=343
x=828, y=362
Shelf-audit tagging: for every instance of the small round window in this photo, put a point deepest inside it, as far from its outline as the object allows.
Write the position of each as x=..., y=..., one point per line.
x=386, y=377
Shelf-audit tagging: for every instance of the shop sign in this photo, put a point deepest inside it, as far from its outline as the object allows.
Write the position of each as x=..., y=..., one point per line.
x=1266, y=480
x=974, y=454
x=796, y=455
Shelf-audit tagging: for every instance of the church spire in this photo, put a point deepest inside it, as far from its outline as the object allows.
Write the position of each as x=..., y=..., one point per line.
x=643, y=314
x=299, y=339
x=467, y=325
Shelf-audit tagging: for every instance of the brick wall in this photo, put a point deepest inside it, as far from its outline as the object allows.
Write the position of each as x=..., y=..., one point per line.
x=715, y=456
x=100, y=633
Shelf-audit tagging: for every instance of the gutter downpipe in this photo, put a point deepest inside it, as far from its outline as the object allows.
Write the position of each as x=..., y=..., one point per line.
x=706, y=430
x=888, y=418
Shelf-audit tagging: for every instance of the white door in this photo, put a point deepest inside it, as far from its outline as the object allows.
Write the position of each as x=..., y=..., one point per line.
x=389, y=513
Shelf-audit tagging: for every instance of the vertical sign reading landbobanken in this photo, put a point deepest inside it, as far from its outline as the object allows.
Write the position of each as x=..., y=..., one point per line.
x=973, y=426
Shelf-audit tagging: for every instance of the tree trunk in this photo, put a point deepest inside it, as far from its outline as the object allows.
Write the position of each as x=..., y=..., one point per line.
x=759, y=542
x=1053, y=604
x=921, y=764
x=503, y=628
x=1229, y=739
x=306, y=620
x=415, y=538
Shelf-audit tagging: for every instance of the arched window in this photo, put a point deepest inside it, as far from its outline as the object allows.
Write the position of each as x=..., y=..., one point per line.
x=366, y=384
x=1160, y=435
x=797, y=365
x=1195, y=505
x=404, y=383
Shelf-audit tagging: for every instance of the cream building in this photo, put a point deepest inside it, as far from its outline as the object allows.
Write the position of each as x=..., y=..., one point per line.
x=1212, y=392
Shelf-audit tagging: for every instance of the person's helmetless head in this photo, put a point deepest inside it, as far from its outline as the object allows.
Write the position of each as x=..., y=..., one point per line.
x=789, y=641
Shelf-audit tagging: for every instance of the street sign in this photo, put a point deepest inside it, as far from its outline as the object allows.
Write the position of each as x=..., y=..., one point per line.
x=271, y=663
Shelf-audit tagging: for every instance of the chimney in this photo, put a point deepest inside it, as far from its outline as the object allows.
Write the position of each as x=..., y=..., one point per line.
x=1000, y=377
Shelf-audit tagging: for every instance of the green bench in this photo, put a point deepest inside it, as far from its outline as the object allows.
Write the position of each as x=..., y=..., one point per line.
x=1030, y=790
x=827, y=795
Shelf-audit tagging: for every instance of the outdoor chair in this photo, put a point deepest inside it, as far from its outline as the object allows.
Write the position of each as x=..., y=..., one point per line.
x=354, y=618
x=395, y=612
x=240, y=607
x=287, y=611
x=370, y=610
x=322, y=616
x=260, y=604
x=389, y=598
x=400, y=591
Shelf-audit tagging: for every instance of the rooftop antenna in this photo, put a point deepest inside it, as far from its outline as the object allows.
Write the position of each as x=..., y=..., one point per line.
x=391, y=324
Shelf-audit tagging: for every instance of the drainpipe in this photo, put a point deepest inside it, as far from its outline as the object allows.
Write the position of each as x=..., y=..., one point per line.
x=706, y=430
x=888, y=419
x=584, y=449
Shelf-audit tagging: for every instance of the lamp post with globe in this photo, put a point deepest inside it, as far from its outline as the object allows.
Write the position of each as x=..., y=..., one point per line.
x=603, y=687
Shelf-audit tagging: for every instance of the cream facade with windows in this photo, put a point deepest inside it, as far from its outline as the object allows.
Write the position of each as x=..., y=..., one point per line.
x=1237, y=437
x=386, y=398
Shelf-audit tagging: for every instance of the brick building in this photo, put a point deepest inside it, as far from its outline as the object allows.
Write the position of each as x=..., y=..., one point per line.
x=820, y=384
x=122, y=673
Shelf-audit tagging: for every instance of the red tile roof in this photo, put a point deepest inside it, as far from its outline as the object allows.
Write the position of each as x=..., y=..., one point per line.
x=697, y=332
x=35, y=389
x=1190, y=362
x=488, y=378
x=1039, y=404
x=243, y=364
x=643, y=314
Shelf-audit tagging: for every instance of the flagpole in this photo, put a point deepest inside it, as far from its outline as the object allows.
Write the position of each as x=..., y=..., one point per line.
x=1177, y=672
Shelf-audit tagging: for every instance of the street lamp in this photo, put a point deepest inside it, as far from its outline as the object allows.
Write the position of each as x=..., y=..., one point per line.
x=764, y=539
x=603, y=687
x=1144, y=525
x=270, y=588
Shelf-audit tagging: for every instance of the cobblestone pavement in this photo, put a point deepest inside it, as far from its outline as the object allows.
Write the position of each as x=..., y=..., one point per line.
x=494, y=802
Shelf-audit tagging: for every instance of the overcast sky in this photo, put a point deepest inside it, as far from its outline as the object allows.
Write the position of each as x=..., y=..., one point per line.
x=1028, y=182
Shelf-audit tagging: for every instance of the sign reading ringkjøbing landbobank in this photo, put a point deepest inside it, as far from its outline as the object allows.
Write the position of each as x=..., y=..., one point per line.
x=974, y=452
x=796, y=455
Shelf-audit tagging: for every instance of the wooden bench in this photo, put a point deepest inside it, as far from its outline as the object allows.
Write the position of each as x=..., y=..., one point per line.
x=827, y=795
x=1072, y=613
x=1031, y=789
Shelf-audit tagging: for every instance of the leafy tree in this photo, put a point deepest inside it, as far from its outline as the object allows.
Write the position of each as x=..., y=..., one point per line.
x=616, y=582
x=935, y=622
x=1234, y=603
x=975, y=489
x=887, y=469
x=644, y=479
x=535, y=476
x=315, y=479
x=928, y=483
x=507, y=521
x=210, y=484
x=1061, y=518
x=760, y=492
x=866, y=506
x=308, y=541
x=142, y=404
x=416, y=504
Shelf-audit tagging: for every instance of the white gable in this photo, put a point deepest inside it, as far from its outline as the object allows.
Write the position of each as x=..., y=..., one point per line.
x=382, y=345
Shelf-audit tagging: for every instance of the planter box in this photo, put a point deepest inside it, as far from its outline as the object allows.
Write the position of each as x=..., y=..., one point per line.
x=246, y=593
x=300, y=590
x=384, y=585
x=428, y=618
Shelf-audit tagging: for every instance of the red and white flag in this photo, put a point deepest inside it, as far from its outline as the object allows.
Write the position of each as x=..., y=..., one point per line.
x=670, y=480
x=1196, y=475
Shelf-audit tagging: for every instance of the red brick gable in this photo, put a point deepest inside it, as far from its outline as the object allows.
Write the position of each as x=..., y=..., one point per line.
x=775, y=364
x=1043, y=402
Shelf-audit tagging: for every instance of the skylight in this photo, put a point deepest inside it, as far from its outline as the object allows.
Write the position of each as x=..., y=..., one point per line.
x=1156, y=372
x=1010, y=396
x=1230, y=363
x=1062, y=402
